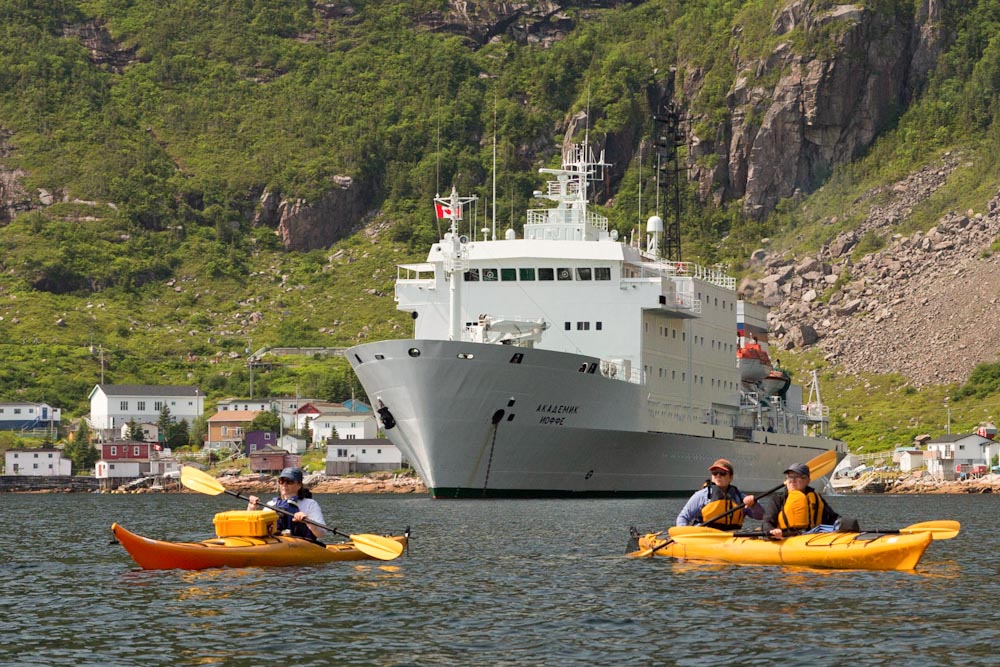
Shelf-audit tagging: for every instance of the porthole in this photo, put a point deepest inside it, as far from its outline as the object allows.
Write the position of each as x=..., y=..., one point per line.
x=413, y=352
x=465, y=355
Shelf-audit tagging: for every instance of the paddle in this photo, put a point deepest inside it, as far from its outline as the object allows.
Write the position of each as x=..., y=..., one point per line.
x=939, y=530
x=375, y=546
x=818, y=466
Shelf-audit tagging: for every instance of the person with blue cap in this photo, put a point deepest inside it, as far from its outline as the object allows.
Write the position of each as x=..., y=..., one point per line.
x=295, y=498
x=798, y=508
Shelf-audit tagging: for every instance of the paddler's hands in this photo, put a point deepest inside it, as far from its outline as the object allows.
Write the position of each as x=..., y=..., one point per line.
x=776, y=533
x=299, y=516
x=749, y=501
x=254, y=503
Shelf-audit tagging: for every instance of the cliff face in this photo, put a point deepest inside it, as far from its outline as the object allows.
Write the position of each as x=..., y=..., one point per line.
x=784, y=139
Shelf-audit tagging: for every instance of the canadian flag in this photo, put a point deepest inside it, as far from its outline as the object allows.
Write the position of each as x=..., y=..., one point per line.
x=446, y=212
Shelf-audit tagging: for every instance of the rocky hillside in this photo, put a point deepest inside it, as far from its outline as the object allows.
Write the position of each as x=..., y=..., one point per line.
x=924, y=305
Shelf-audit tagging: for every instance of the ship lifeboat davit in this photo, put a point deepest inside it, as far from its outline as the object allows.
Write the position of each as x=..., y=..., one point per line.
x=753, y=362
x=775, y=382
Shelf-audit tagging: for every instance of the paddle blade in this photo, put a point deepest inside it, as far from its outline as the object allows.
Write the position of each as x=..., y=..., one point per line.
x=199, y=481
x=939, y=530
x=822, y=464
x=382, y=548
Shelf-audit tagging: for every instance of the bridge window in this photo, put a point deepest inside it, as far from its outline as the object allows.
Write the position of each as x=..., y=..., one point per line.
x=508, y=274
x=602, y=273
x=490, y=275
x=583, y=273
x=546, y=274
x=527, y=274
x=472, y=275
x=564, y=274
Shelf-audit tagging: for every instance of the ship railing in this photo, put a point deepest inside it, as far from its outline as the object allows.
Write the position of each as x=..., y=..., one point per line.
x=715, y=275
x=816, y=412
x=617, y=370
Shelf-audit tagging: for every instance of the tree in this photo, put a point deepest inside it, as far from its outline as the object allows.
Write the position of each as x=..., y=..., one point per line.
x=165, y=423
x=265, y=421
x=135, y=432
x=178, y=434
x=79, y=450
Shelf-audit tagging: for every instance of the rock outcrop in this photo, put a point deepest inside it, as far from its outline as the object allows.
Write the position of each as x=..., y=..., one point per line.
x=922, y=305
x=784, y=138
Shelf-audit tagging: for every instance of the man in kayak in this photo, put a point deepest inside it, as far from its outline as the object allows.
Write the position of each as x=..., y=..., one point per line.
x=798, y=508
x=719, y=504
x=294, y=497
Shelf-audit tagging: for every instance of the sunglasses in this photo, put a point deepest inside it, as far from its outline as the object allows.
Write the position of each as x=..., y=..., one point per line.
x=796, y=477
x=720, y=473
x=286, y=481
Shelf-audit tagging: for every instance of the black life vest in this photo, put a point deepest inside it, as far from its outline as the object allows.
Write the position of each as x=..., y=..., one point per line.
x=285, y=522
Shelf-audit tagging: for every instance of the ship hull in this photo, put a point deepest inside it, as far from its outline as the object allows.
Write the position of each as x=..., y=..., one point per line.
x=480, y=420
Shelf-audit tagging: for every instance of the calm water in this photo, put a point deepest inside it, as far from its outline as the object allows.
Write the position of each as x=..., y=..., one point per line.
x=486, y=583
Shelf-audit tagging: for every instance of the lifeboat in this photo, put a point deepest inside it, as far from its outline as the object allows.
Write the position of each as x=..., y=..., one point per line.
x=753, y=362
x=775, y=382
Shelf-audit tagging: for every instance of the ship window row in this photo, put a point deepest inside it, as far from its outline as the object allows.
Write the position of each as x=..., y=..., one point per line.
x=670, y=332
x=530, y=274
x=715, y=302
x=583, y=326
x=697, y=379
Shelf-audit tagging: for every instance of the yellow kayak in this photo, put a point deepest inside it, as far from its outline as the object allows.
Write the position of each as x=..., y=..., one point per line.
x=235, y=551
x=888, y=550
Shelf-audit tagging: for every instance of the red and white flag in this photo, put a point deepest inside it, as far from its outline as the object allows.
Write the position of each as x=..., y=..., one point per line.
x=446, y=211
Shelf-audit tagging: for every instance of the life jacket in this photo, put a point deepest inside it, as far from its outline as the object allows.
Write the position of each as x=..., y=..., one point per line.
x=801, y=511
x=285, y=522
x=720, y=502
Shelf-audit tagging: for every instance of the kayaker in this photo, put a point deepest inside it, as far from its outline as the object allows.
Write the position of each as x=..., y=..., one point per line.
x=798, y=507
x=296, y=498
x=714, y=503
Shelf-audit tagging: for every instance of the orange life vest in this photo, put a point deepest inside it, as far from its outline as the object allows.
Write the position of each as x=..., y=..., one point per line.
x=801, y=511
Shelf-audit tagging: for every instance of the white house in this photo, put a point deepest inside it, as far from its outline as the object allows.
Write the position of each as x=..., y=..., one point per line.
x=150, y=432
x=347, y=456
x=325, y=419
x=293, y=444
x=910, y=458
x=45, y=462
x=24, y=416
x=946, y=452
x=285, y=407
x=112, y=405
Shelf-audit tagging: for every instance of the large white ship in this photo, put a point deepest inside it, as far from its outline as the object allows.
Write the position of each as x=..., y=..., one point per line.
x=572, y=363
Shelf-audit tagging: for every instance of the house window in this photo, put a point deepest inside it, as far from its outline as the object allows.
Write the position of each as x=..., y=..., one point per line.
x=142, y=406
x=267, y=436
x=599, y=325
x=17, y=411
x=114, y=451
x=341, y=453
x=379, y=451
x=568, y=326
x=157, y=405
x=123, y=405
x=135, y=451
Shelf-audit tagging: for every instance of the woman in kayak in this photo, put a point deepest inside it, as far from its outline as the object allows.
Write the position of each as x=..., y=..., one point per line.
x=294, y=497
x=798, y=507
x=719, y=504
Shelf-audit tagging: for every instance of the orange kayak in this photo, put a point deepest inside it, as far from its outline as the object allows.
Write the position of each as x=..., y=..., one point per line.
x=267, y=551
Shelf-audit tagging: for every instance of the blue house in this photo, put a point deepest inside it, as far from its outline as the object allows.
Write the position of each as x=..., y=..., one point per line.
x=23, y=416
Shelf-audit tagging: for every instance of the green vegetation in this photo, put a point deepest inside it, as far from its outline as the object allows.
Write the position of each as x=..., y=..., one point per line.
x=148, y=266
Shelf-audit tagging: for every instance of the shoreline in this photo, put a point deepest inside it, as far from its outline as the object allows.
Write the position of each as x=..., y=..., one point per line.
x=989, y=483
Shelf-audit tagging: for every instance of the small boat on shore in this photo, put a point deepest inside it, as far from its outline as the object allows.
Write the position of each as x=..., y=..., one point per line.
x=875, y=550
x=236, y=551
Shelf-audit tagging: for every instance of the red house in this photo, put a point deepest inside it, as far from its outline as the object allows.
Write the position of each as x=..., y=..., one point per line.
x=134, y=451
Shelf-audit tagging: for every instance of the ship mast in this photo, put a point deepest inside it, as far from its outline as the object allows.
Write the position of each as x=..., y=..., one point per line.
x=456, y=257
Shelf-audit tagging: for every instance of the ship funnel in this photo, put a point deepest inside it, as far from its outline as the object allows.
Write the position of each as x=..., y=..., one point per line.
x=509, y=235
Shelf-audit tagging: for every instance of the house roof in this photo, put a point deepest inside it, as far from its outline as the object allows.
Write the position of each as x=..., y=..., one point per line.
x=955, y=437
x=146, y=390
x=234, y=416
